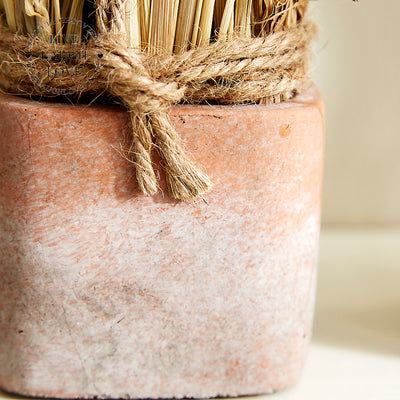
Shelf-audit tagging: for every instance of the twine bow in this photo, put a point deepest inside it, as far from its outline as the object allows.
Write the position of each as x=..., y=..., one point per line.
x=237, y=71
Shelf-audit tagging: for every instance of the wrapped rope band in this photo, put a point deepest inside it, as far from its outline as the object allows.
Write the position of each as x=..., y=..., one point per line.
x=228, y=72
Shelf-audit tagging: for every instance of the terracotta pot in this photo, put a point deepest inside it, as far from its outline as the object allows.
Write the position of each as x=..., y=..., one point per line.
x=105, y=292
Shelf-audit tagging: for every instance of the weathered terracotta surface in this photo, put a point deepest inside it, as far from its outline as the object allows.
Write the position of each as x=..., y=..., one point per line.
x=105, y=292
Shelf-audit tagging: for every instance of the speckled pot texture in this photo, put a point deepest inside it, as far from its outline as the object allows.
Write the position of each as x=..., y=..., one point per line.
x=107, y=293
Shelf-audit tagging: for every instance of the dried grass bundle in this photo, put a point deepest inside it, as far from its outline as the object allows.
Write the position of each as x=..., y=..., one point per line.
x=159, y=26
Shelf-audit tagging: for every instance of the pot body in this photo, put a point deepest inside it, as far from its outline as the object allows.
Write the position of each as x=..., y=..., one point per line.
x=105, y=292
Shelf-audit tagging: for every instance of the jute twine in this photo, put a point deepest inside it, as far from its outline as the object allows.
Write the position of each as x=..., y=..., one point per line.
x=236, y=71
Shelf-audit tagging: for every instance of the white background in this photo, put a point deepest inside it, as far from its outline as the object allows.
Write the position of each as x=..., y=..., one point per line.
x=357, y=67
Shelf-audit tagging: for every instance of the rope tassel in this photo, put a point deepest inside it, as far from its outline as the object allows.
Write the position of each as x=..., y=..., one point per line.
x=184, y=180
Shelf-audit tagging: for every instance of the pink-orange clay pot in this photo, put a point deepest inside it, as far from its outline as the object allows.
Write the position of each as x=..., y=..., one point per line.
x=105, y=292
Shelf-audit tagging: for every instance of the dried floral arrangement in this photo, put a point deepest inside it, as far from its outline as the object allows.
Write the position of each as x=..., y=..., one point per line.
x=167, y=26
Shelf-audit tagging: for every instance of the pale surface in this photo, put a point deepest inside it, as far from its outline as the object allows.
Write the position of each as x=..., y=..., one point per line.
x=357, y=64
x=355, y=354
